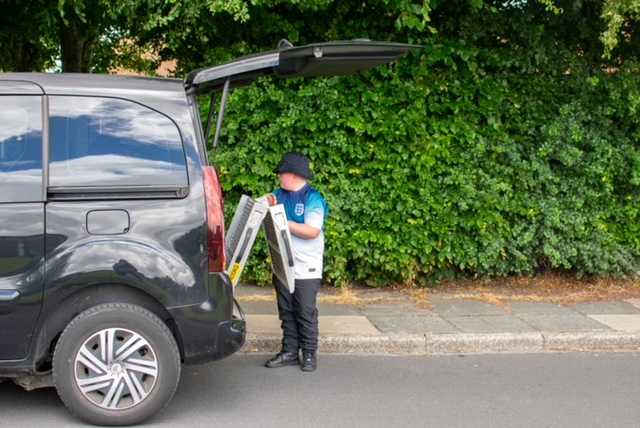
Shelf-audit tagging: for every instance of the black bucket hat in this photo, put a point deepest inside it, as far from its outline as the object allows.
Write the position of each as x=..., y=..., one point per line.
x=295, y=163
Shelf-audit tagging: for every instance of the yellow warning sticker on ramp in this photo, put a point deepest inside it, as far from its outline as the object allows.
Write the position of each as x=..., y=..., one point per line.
x=235, y=272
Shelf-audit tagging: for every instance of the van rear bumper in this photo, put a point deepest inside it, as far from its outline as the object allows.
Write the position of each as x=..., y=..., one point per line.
x=210, y=330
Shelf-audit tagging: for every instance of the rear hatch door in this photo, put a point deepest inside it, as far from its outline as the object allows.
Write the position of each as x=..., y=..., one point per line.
x=314, y=60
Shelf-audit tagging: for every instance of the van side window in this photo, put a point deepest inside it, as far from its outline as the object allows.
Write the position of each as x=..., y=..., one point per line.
x=20, y=148
x=112, y=142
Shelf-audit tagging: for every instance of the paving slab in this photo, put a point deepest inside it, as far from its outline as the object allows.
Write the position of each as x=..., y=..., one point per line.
x=412, y=324
x=490, y=324
x=620, y=322
x=397, y=309
x=260, y=323
x=602, y=308
x=347, y=325
x=464, y=307
x=333, y=309
x=259, y=307
x=562, y=323
x=538, y=308
x=343, y=324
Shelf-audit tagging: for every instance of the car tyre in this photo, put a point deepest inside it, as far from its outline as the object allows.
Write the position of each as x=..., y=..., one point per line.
x=116, y=364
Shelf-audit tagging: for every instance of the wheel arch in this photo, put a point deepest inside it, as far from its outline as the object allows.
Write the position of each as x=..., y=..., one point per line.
x=50, y=328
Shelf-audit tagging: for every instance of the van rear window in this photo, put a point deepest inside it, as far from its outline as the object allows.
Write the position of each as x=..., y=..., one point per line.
x=98, y=141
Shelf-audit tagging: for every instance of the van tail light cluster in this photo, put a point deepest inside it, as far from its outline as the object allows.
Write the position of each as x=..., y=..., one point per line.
x=215, y=220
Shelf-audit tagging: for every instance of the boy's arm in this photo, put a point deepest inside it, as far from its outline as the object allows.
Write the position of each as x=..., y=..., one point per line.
x=313, y=222
x=303, y=230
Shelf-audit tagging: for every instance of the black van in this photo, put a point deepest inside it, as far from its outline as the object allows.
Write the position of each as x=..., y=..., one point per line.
x=113, y=268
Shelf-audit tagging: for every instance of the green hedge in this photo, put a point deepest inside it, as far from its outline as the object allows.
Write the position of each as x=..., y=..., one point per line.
x=468, y=158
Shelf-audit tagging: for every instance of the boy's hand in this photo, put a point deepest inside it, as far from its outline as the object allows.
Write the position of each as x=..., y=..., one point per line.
x=271, y=199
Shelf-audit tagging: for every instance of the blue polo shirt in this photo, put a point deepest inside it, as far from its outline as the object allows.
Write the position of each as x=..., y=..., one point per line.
x=309, y=207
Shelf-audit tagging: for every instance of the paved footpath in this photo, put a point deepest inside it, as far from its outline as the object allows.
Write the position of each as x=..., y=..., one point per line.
x=391, y=322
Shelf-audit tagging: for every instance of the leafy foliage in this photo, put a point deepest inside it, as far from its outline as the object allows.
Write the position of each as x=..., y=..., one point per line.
x=506, y=146
x=24, y=45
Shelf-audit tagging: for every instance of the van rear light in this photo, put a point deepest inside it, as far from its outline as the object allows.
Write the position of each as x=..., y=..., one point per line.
x=215, y=220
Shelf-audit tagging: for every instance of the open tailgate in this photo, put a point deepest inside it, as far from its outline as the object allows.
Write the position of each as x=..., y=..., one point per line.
x=318, y=59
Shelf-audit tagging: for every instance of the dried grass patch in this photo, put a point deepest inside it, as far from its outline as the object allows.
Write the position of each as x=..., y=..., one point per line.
x=551, y=287
x=257, y=298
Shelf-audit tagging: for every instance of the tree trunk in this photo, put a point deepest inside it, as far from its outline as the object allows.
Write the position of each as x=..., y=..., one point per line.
x=75, y=50
x=25, y=56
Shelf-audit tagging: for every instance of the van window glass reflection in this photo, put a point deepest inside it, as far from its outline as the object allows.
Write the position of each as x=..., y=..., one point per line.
x=21, y=148
x=105, y=141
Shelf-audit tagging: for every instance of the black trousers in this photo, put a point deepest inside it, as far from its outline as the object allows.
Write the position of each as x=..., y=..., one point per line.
x=299, y=314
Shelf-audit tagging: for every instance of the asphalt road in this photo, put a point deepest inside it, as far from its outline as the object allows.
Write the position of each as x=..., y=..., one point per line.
x=503, y=390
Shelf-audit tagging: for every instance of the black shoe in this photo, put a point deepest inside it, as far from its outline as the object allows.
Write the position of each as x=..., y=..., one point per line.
x=283, y=359
x=309, y=361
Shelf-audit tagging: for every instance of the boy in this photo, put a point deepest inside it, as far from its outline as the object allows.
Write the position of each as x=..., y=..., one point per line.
x=306, y=210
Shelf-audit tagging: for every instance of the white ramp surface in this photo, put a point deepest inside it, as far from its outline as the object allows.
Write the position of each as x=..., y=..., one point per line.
x=278, y=236
x=242, y=234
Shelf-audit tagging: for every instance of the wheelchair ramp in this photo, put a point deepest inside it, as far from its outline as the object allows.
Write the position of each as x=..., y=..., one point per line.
x=242, y=234
x=276, y=230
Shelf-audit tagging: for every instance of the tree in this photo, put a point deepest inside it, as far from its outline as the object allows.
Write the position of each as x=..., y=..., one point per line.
x=102, y=35
x=25, y=36
x=91, y=35
x=619, y=16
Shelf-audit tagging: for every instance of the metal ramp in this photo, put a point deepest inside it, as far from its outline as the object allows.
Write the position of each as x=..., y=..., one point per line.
x=276, y=229
x=242, y=234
